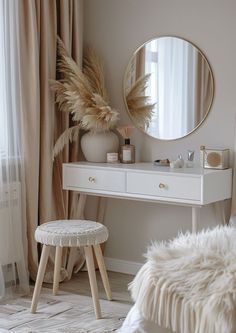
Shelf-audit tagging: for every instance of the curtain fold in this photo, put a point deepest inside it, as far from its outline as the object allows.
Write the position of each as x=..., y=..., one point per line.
x=40, y=23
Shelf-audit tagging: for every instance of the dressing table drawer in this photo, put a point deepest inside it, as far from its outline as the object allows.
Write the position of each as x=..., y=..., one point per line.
x=94, y=179
x=164, y=186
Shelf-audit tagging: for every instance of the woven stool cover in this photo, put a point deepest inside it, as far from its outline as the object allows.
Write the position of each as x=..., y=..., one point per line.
x=71, y=233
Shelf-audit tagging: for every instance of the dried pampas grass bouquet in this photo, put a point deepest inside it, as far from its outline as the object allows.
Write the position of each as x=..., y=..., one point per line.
x=82, y=94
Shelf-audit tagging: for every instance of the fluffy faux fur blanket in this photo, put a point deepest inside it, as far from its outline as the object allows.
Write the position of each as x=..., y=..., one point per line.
x=189, y=283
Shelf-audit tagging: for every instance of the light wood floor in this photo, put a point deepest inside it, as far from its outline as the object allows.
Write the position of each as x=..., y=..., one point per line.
x=79, y=284
x=71, y=310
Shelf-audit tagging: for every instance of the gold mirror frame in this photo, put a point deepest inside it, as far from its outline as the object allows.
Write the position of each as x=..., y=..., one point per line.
x=211, y=88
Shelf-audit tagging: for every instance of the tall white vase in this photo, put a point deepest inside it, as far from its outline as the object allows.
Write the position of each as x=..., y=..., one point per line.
x=96, y=145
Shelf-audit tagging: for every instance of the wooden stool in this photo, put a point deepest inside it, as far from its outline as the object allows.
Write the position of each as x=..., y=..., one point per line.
x=72, y=233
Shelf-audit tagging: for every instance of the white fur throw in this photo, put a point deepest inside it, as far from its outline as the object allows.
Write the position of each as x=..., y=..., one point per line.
x=189, y=283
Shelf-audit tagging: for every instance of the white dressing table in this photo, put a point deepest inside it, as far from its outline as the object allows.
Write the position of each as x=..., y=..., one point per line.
x=193, y=187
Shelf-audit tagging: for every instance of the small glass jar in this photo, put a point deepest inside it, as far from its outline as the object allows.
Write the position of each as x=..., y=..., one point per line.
x=127, y=154
x=112, y=157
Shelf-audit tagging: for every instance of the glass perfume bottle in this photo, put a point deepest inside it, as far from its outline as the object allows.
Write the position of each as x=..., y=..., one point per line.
x=190, y=161
x=127, y=154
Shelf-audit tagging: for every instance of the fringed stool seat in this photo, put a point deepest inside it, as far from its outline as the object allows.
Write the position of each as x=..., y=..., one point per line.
x=72, y=233
x=189, y=284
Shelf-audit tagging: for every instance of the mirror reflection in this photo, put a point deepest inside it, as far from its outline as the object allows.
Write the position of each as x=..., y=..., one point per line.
x=168, y=88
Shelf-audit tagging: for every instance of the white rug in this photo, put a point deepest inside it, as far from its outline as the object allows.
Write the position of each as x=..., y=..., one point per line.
x=62, y=313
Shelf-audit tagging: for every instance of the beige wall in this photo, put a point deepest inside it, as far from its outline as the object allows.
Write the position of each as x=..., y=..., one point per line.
x=115, y=28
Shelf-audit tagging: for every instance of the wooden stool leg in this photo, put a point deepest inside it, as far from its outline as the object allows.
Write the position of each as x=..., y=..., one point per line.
x=92, y=279
x=57, y=269
x=103, y=271
x=40, y=275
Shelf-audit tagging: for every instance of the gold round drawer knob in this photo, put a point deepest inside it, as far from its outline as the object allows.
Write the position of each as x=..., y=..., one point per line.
x=161, y=185
x=92, y=179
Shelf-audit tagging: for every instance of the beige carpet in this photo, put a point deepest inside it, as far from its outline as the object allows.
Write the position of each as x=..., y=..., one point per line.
x=65, y=312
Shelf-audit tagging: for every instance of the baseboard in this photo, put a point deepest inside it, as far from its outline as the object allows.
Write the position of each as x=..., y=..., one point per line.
x=122, y=266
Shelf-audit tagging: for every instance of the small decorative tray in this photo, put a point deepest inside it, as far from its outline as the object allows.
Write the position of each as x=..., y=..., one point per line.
x=164, y=162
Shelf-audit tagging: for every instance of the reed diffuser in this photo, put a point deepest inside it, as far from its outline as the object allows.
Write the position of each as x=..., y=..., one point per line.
x=127, y=151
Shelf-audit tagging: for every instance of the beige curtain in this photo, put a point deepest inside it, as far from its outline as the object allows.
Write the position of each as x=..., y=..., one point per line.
x=136, y=68
x=41, y=22
x=140, y=63
x=204, y=88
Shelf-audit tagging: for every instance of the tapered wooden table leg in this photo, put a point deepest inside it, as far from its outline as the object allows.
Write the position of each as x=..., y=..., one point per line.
x=57, y=269
x=92, y=279
x=103, y=271
x=39, y=279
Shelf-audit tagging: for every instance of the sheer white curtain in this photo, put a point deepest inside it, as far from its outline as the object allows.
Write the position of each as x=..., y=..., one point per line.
x=13, y=244
x=174, y=62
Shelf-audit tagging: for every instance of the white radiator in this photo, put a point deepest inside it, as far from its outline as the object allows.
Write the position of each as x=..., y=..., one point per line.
x=10, y=223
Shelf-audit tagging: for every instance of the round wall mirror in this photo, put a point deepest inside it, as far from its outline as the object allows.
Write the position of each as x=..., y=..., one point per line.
x=168, y=88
